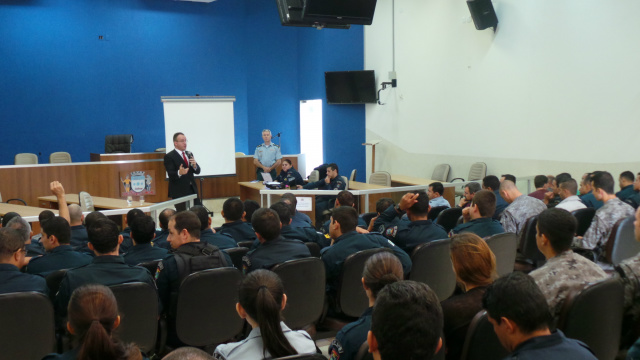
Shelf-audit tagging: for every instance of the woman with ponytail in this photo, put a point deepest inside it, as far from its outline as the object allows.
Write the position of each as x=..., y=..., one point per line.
x=261, y=300
x=380, y=270
x=92, y=318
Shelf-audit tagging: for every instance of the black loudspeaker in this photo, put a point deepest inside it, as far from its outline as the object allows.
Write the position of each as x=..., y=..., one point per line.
x=483, y=14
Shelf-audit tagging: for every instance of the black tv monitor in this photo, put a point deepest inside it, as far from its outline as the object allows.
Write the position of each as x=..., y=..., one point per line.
x=291, y=15
x=344, y=11
x=350, y=87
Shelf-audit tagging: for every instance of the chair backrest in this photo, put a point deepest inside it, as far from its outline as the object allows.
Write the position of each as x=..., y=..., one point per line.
x=380, y=178
x=481, y=341
x=368, y=216
x=622, y=242
x=161, y=150
x=305, y=285
x=138, y=309
x=236, y=255
x=363, y=353
x=248, y=244
x=432, y=266
x=354, y=172
x=28, y=330
x=351, y=298
x=314, y=249
x=441, y=172
x=314, y=176
x=118, y=143
x=528, y=245
x=86, y=201
x=239, y=153
x=435, y=211
x=504, y=247
x=25, y=158
x=152, y=266
x=53, y=282
x=206, y=310
x=346, y=182
x=448, y=218
x=477, y=171
x=60, y=157
x=584, y=217
x=593, y=315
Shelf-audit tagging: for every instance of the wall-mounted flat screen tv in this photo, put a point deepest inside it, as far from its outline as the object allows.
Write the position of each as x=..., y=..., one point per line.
x=347, y=11
x=350, y=87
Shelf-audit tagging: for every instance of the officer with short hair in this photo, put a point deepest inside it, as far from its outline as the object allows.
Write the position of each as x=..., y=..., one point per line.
x=267, y=157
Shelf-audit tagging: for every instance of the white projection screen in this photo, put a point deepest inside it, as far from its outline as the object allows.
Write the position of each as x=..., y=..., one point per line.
x=207, y=122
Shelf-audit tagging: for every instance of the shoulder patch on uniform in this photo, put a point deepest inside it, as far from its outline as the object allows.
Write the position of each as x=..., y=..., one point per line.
x=335, y=349
x=392, y=231
x=261, y=145
x=159, y=269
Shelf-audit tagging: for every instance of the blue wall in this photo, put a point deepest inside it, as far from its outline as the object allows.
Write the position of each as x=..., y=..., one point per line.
x=63, y=89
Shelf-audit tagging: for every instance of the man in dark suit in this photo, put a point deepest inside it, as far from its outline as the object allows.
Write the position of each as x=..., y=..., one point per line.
x=181, y=166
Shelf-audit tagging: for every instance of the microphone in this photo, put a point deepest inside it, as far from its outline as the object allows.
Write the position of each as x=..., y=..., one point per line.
x=278, y=134
x=189, y=154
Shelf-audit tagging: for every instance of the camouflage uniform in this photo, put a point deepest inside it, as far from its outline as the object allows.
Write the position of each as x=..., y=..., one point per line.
x=516, y=214
x=629, y=271
x=562, y=274
x=602, y=223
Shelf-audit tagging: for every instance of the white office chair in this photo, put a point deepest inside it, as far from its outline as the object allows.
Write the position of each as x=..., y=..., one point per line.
x=238, y=153
x=477, y=172
x=86, y=201
x=353, y=175
x=346, y=182
x=314, y=176
x=60, y=157
x=25, y=158
x=380, y=178
x=441, y=172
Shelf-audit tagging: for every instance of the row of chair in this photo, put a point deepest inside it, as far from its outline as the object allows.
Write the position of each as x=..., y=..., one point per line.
x=30, y=158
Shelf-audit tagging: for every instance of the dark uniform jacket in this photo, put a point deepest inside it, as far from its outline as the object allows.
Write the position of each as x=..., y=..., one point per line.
x=105, y=270
x=222, y=241
x=500, y=205
x=61, y=257
x=335, y=184
x=161, y=240
x=348, y=340
x=361, y=223
x=483, y=227
x=12, y=280
x=305, y=235
x=144, y=252
x=552, y=347
x=274, y=252
x=238, y=230
x=407, y=235
x=590, y=201
x=80, y=239
x=126, y=240
x=300, y=220
x=291, y=177
x=626, y=192
x=183, y=185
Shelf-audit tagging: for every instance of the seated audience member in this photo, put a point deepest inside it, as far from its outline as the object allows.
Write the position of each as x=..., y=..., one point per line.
x=567, y=191
x=106, y=268
x=475, y=268
x=93, y=317
x=306, y=234
x=143, y=230
x=470, y=190
x=540, y=182
x=629, y=274
x=406, y=322
x=250, y=206
x=380, y=270
x=492, y=183
x=91, y=218
x=626, y=186
x=344, y=198
x=79, y=237
x=298, y=219
x=520, y=207
x=586, y=193
x=261, y=299
x=552, y=197
x=23, y=227
x=43, y=216
x=273, y=249
x=612, y=211
x=161, y=237
x=55, y=238
x=376, y=224
x=333, y=181
x=126, y=232
x=8, y=216
x=409, y=234
x=564, y=270
x=521, y=320
x=289, y=176
x=477, y=217
x=188, y=353
x=232, y=212
x=634, y=200
x=12, y=259
x=193, y=254
x=435, y=192
x=346, y=241
x=222, y=241
x=509, y=177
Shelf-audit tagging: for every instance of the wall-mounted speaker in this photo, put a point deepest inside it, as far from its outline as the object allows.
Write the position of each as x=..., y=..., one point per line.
x=483, y=14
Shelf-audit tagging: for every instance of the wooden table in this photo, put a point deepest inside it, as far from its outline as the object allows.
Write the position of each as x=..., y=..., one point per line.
x=24, y=211
x=373, y=198
x=251, y=191
x=403, y=180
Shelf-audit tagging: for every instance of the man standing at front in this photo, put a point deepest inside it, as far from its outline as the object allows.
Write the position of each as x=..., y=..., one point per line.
x=181, y=167
x=267, y=157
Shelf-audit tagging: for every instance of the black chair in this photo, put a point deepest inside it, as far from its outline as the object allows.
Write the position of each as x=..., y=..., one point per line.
x=368, y=216
x=435, y=211
x=236, y=255
x=16, y=200
x=622, y=242
x=314, y=249
x=504, y=247
x=584, y=217
x=481, y=342
x=246, y=244
x=118, y=143
x=448, y=218
x=305, y=285
x=351, y=299
x=528, y=245
x=206, y=310
x=432, y=266
x=302, y=357
x=152, y=266
x=594, y=316
x=138, y=309
x=363, y=352
x=28, y=330
x=53, y=282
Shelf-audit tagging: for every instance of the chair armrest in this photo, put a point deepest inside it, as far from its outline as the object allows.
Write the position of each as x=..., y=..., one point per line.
x=452, y=180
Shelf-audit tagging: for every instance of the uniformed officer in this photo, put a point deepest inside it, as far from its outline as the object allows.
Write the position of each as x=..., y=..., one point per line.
x=289, y=176
x=232, y=212
x=478, y=216
x=126, y=232
x=161, y=236
x=333, y=181
x=12, y=258
x=298, y=219
x=142, y=232
x=222, y=241
x=306, y=234
x=409, y=234
x=267, y=157
x=273, y=249
x=344, y=198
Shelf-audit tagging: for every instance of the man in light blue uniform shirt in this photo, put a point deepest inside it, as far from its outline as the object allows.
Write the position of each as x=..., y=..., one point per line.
x=435, y=195
x=267, y=157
